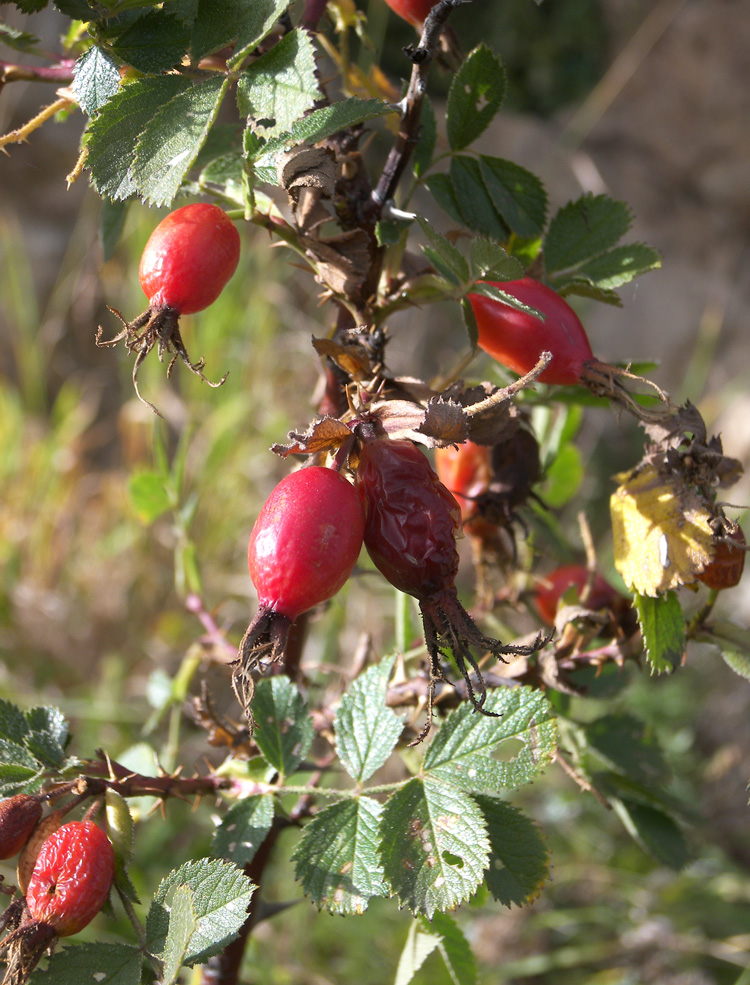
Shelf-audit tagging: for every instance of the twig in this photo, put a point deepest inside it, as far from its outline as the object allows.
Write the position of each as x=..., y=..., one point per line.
x=581, y=780
x=61, y=74
x=19, y=135
x=408, y=132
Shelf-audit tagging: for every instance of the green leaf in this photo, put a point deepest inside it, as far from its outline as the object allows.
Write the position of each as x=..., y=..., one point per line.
x=13, y=722
x=519, y=863
x=149, y=495
x=425, y=149
x=19, y=40
x=584, y=229
x=244, y=829
x=182, y=926
x=171, y=140
x=470, y=322
x=477, y=209
x=563, y=477
x=434, y=845
x=112, y=134
x=111, y=224
x=476, y=94
x=566, y=285
x=443, y=254
x=442, y=190
x=738, y=660
x=153, y=43
x=260, y=17
x=614, y=268
x=284, y=729
x=654, y=831
x=337, y=858
x=420, y=943
x=621, y=741
x=466, y=749
x=366, y=730
x=517, y=195
x=92, y=964
x=663, y=627
x=490, y=261
x=279, y=88
x=498, y=294
x=454, y=949
x=44, y=718
x=327, y=121
x=221, y=893
x=31, y=6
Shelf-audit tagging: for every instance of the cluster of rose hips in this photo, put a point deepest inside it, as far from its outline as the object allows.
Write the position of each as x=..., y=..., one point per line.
x=64, y=874
x=308, y=536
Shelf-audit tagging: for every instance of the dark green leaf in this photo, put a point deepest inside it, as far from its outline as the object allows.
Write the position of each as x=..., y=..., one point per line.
x=182, y=926
x=97, y=79
x=31, y=6
x=366, y=730
x=13, y=722
x=444, y=254
x=519, y=863
x=327, y=121
x=279, y=88
x=425, y=149
x=498, y=294
x=663, y=627
x=467, y=749
x=92, y=964
x=584, y=229
x=470, y=322
x=154, y=42
x=434, y=845
x=75, y=9
x=474, y=203
x=441, y=189
x=149, y=495
x=217, y=25
x=112, y=134
x=654, y=831
x=45, y=749
x=244, y=829
x=475, y=95
x=491, y=262
x=614, y=268
x=517, y=194
x=337, y=859
x=171, y=140
x=50, y=720
x=221, y=893
x=284, y=729
x=390, y=233
x=258, y=21
x=566, y=285
x=13, y=754
x=622, y=743
x=111, y=224
x=454, y=948
x=19, y=40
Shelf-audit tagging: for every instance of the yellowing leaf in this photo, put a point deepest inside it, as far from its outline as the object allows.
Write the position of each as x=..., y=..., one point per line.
x=662, y=537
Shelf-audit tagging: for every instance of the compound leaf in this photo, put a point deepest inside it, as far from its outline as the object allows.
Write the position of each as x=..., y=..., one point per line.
x=366, y=729
x=517, y=195
x=337, y=856
x=434, y=845
x=220, y=895
x=444, y=255
x=279, y=88
x=244, y=829
x=663, y=628
x=172, y=138
x=112, y=134
x=475, y=95
x=519, y=862
x=97, y=79
x=475, y=205
x=466, y=749
x=584, y=229
x=614, y=268
x=489, y=260
x=153, y=43
x=92, y=964
x=284, y=730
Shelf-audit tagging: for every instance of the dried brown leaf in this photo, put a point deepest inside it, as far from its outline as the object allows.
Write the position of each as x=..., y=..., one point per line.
x=325, y=434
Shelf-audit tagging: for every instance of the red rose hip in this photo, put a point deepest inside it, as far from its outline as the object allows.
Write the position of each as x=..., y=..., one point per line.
x=72, y=878
x=553, y=586
x=725, y=570
x=517, y=338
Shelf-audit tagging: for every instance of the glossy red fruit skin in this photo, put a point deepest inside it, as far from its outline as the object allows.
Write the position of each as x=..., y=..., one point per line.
x=465, y=470
x=72, y=877
x=411, y=519
x=305, y=541
x=725, y=571
x=19, y=815
x=189, y=258
x=413, y=11
x=517, y=339
x=549, y=592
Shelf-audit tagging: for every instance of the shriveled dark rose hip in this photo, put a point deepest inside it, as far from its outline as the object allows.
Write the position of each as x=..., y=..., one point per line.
x=411, y=522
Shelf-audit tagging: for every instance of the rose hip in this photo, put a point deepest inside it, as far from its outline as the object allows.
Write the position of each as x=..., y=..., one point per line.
x=19, y=816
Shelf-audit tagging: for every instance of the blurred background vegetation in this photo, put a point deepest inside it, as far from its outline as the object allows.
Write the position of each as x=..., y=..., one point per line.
x=97, y=554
